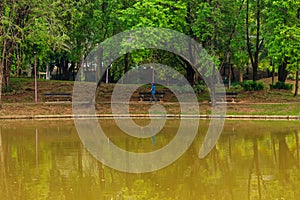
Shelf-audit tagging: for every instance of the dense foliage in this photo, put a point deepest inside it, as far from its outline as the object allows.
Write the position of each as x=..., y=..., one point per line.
x=240, y=33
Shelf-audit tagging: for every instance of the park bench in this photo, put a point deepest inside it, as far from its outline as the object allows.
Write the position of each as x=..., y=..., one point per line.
x=227, y=96
x=148, y=96
x=58, y=96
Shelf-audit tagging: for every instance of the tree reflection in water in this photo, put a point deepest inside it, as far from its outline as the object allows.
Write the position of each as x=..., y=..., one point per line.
x=252, y=160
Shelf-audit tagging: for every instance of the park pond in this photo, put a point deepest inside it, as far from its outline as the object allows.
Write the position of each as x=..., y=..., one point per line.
x=251, y=160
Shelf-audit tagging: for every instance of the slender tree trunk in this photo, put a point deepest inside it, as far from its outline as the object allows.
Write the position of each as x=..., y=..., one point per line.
x=254, y=57
x=126, y=63
x=297, y=73
x=248, y=35
x=64, y=67
x=241, y=79
x=273, y=74
x=1, y=83
x=2, y=69
x=216, y=27
x=99, y=66
x=190, y=72
x=73, y=70
x=229, y=74
x=232, y=73
x=231, y=36
x=7, y=70
x=297, y=83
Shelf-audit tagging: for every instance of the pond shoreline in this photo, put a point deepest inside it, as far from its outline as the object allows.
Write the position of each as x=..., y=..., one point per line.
x=145, y=116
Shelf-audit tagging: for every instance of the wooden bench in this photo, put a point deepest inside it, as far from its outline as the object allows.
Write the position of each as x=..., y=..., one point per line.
x=148, y=96
x=58, y=96
x=228, y=96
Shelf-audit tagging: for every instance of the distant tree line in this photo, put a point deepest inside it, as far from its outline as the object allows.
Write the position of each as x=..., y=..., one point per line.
x=263, y=34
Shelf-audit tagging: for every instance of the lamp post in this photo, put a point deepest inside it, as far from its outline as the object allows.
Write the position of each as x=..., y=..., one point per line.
x=152, y=67
x=152, y=74
x=35, y=81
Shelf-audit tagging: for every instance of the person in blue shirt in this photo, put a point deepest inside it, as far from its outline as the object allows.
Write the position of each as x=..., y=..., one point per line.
x=153, y=91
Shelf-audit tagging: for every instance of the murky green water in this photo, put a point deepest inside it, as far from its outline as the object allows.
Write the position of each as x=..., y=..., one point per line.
x=252, y=160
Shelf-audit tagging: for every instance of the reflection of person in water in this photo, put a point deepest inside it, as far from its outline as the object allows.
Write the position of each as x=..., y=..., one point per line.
x=154, y=139
x=153, y=91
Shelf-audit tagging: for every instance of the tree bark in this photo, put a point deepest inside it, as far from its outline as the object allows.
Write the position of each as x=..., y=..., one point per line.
x=254, y=57
x=241, y=79
x=7, y=70
x=190, y=74
x=282, y=72
x=1, y=82
x=2, y=69
x=297, y=83
x=231, y=36
x=229, y=74
x=126, y=63
x=273, y=74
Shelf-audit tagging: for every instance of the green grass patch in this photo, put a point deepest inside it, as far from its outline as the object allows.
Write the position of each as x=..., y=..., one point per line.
x=264, y=109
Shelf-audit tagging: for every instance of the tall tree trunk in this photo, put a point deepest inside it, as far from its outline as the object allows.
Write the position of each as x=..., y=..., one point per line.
x=64, y=67
x=72, y=70
x=248, y=35
x=216, y=27
x=254, y=57
x=255, y=73
x=229, y=74
x=190, y=74
x=241, y=79
x=231, y=36
x=273, y=74
x=126, y=63
x=2, y=69
x=297, y=83
x=297, y=72
x=257, y=45
x=282, y=72
x=1, y=82
x=7, y=70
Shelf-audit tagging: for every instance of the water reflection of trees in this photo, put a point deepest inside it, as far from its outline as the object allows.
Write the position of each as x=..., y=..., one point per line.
x=274, y=178
x=242, y=165
x=3, y=175
x=270, y=161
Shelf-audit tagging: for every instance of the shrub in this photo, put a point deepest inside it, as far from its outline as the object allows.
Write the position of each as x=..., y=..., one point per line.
x=281, y=85
x=292, y=76
x=8, y=89
x=200, y=87
x=253, y=85
x=235, y=87
x=15, y=85
x=181, y=88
